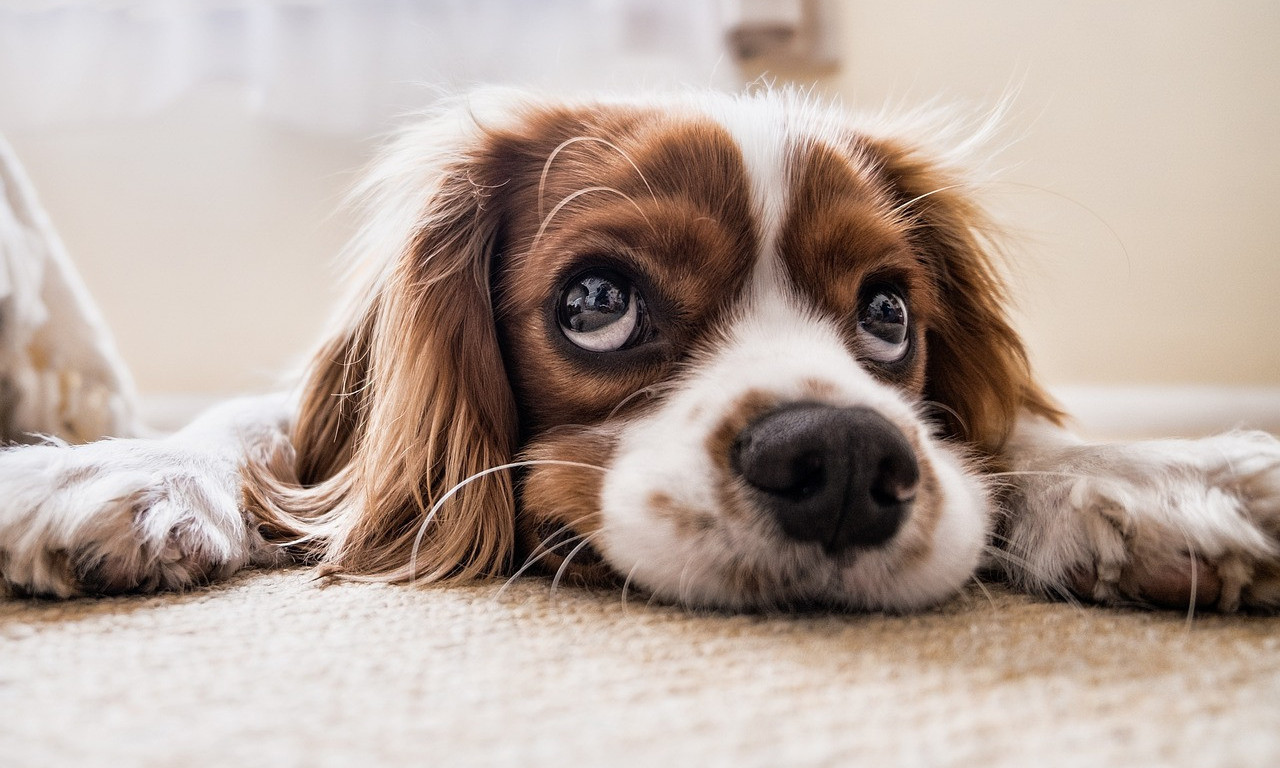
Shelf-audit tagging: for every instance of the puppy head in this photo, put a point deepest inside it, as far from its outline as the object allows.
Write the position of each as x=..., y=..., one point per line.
x=743, y=346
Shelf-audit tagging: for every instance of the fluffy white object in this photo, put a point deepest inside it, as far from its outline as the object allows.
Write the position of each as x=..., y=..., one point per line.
x=60, y=374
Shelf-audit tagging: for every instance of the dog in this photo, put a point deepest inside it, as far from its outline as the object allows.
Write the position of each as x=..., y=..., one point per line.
x=742, y=352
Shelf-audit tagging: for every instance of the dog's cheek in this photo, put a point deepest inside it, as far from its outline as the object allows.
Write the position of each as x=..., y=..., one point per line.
x=559, y=517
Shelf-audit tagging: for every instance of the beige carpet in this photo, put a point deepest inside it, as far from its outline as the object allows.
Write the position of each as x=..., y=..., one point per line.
x=275, y=669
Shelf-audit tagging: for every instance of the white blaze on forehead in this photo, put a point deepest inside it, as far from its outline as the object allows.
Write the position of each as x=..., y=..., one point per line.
x=761, y=132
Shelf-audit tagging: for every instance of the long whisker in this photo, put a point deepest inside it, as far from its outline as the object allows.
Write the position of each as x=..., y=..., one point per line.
x=1009, y=558
x=546, y=167
x=1067, y=198
x=903, y=206
x=541, y=551
x=1195, y=581
x=586, y=190
x=1115, y=236
x=990, y=599
x=1195, y=572
x=1036, y=473
x=435, y=508
x=626, y=584
x=586, y=539
x=304, y=538
x=649, y=390
x=944, y=407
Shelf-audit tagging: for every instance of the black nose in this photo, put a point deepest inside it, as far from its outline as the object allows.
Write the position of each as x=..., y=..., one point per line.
x=842, y=477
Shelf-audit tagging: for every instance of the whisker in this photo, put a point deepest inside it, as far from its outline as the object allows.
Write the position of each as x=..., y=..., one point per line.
x=586, y=539
x=1036, y=472
x=435, y=508
x=944, y=407
x=649, y=390
x=990, y=599
x=546, y=167
x=903, y=206
x=1011, y=560
x=1195, y=573
x=586, y=190
x=1000, y=538
x=1081, y=206
x=533, y=559
x=626, y=584
x=684, y=586
x=539, y=552
x=304, y=538
x=1195, y=582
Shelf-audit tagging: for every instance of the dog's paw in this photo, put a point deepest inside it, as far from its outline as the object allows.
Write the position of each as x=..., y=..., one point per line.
x=1170, y=523
x=118, y=516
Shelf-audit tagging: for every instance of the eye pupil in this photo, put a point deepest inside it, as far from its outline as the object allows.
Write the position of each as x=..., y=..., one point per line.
x=882, y=326
x=592, y=303
x=886, y=317
x=600, y=311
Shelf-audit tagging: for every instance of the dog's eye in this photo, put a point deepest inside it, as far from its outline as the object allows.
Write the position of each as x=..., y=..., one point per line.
x=882, y=325
x=600, y=311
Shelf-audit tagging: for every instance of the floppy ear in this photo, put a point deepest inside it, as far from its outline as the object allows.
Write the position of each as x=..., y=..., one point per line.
x=409, y=397
x=977, y=366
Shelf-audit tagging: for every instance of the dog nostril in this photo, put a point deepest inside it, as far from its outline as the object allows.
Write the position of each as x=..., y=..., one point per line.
x=840, y=477
x=896, y=480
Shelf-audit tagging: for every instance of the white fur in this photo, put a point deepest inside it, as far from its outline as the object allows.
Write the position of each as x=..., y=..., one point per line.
x=136, y=514
x=1114, y=514
x=776, y=346
x=59, y=369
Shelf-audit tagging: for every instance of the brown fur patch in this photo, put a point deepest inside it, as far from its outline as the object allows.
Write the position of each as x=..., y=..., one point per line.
x=977, y=366
x=686, y=520
x=676, y=221
x=839, y=237
x=560, y=504
x=914, y=543
x=750, y=406
x=734, y=504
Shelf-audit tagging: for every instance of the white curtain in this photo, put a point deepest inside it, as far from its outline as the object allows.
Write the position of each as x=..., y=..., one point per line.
x=340, y=66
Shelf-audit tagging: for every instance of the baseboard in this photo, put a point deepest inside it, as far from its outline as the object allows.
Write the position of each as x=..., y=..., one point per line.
x=1178, y=411
x=1114, y=412
x=167, y=411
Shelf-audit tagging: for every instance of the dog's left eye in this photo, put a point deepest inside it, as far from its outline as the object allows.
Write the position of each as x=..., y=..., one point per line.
x=882, y=325
x=600, y=311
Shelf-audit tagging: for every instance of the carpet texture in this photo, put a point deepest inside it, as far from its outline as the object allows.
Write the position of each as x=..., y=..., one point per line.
x=277, y=669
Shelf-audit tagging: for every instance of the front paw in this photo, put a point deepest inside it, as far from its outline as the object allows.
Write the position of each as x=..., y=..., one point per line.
x=1169, y=523
x=116, y=516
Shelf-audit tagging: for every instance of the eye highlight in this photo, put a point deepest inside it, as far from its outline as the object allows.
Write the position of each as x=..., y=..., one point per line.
x=600, y=311
x=883, y=325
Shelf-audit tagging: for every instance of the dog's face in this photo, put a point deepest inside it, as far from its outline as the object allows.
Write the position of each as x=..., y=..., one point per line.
x=746, y=349
x=726, y=329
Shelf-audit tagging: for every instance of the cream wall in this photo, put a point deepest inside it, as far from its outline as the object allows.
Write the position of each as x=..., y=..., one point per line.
x=1143, y=175
x=206, y=235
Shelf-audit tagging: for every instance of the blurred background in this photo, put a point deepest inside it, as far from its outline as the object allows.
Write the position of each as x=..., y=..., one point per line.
x=193, y=156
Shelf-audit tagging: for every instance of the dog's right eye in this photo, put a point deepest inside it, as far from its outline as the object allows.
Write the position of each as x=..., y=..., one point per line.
x=882, y=325
x=600, y=311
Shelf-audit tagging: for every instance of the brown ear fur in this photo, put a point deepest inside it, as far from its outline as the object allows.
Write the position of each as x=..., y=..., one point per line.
x=408, y=399
x=977, y=367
